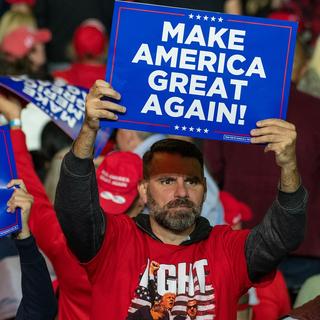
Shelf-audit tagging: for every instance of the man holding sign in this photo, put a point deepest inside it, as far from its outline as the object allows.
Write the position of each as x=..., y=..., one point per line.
x=213, y=266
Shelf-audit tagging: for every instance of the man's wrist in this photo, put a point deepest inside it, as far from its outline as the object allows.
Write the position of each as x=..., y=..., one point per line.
x=289, y=179
x=86, y=127
x=83, y=146
x=15, y=123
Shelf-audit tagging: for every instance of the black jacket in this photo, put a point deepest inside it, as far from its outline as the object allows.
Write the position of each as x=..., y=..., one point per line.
x=38, y=299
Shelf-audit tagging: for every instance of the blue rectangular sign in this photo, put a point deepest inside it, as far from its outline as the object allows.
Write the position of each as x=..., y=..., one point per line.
x=197, y=73
x=9, y=222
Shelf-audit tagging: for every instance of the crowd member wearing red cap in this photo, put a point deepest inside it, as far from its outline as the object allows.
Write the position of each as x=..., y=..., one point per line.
x=89, y=46
x=23, y=51
x=215, y=265
x=120, y=174
x=272, y=301
x=62, y=17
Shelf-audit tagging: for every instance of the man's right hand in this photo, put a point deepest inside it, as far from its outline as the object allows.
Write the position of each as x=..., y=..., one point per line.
x=97, y=109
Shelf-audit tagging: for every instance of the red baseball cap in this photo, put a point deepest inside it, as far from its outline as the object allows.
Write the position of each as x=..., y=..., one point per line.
x=90, y=38
x=118, y=176
x=20, y=41
x=234, y=210
x=29, y=2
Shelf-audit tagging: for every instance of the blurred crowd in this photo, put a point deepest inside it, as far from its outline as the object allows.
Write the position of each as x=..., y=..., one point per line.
x=68, y=40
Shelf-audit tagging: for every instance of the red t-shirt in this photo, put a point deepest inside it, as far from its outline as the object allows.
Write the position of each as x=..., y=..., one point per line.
x=212, y=271
x=74, y=287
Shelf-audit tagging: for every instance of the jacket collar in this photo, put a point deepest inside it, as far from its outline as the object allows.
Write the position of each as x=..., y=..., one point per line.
x=201, y=231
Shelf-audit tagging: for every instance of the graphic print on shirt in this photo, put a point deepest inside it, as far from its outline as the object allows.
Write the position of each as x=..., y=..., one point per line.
x=174, y=292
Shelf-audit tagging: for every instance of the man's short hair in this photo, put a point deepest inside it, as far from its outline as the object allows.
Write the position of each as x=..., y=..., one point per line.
x=173, y=146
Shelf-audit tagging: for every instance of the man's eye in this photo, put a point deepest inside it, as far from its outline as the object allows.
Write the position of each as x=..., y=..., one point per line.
x=166, y=181
x=192, y=182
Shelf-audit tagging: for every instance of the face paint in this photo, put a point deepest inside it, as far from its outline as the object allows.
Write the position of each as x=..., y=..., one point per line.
x=166, y=163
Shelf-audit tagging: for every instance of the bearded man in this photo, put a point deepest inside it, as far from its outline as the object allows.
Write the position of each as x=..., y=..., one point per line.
x=214, y=266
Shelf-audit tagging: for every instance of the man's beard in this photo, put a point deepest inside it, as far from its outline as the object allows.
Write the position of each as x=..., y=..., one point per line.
x=178, y=220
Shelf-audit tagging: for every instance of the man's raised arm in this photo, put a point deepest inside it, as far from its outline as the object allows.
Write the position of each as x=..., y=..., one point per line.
x=77, y=200
x=282, y=229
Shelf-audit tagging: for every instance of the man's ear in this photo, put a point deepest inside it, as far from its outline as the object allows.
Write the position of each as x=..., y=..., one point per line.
x=142, y=189
x=205, y=188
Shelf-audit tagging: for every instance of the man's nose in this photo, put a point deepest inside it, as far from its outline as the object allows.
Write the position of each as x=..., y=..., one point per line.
x=181, y=189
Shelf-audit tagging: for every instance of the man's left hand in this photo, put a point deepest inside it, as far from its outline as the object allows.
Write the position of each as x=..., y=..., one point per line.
x=280, y=137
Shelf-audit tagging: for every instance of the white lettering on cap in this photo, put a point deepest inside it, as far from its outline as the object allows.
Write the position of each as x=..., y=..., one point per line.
x=109, y=196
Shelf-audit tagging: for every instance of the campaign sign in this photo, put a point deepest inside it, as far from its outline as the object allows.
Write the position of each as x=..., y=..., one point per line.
x=9, y=222
x=65, y=104
x=198, y=73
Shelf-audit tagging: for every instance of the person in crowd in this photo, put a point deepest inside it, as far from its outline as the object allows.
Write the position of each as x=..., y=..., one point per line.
x=310, y=82
x=89, y=45
x=54, y=145
x=194, y=258
x=62, y=17
x=139, y=142
x=10, y=22
x=23, y=52
x=38, y=299
x=250, y=175
x=119, y=196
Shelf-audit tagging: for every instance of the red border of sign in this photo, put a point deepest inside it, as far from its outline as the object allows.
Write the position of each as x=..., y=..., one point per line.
x=11, y=173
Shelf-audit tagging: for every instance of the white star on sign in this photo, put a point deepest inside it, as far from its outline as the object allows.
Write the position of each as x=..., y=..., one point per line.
x=191, y=16
x=176, y=127
x=205, y=18
x=220, y=19
x=191, y=129
x=198, y=17
x=198, y=129
x=206, y=130
x=213, y=18
x=184, y=128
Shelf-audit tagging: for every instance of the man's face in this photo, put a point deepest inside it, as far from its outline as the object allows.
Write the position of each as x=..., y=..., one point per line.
x=168, y=300
x=37, y=56
x=158, y=311
x=192, y=308
x=175, y=191
x=123, y=138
